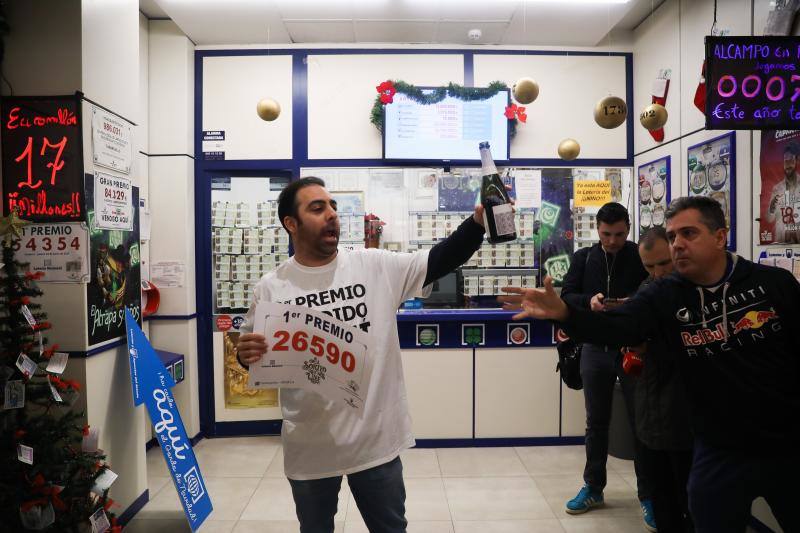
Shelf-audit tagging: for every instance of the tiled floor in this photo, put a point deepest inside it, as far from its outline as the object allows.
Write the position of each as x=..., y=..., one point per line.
x=449, y=490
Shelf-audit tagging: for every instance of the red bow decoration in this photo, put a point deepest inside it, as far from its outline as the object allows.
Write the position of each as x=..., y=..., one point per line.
x=48, y=494
x=64, y=384
x=515, y=111
x=387, y=91
x=33, y=276
x=48, y=352
x=86, y=430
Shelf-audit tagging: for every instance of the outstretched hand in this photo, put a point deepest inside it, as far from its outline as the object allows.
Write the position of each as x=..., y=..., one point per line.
x=535, y=303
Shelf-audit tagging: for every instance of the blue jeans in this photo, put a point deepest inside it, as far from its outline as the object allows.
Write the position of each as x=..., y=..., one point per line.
x=599, y=371
x=723, y=484
x=379, y=493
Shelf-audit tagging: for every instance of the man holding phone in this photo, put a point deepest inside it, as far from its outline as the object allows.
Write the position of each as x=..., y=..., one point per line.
x=599, y=278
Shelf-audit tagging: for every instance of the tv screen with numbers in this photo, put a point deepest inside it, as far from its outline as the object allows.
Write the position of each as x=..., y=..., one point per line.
x=446, y=131
x=752, y=83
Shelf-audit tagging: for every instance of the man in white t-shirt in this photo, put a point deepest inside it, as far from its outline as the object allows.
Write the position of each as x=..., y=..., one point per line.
x=784, y=203
x=323, y=440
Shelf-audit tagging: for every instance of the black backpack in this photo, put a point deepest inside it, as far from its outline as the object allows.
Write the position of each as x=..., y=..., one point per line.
x=569, y=358
x=569, y=363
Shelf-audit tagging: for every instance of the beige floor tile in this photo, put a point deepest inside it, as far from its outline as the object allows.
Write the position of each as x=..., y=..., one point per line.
x=621, y=466
x=495, y=498
x=420, y=462
x=275, y=469
x=620, y=498
x=550, y=525
x=592, y=523
x=425, y=501
x=236, y=457
x=156, y=483
x=178, y=525
x=229, y=496
x=552, y=459
x=476, y=462
x=156, y=467
x=275, y=526
x=273, y=500
x=413, y=527
x=630, y=479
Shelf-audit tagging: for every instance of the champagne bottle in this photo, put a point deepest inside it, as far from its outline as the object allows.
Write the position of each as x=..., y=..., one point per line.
x=498, y=214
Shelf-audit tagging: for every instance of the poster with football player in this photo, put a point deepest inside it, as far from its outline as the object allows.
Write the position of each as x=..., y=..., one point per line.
x=780, y=191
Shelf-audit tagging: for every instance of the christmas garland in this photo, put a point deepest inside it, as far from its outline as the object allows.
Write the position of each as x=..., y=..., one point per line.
x=388, y=89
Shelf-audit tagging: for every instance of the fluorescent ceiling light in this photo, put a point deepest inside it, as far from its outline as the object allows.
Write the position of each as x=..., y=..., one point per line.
x=580, y=1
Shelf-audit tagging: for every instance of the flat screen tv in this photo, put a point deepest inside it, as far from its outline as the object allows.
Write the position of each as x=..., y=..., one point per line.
x=447, y=131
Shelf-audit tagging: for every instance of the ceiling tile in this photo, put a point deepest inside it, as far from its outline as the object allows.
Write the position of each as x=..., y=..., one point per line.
x=320, y=31
x=455, y=32
x=395, y=31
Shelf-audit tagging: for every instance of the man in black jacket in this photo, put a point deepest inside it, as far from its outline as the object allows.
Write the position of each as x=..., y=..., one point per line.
x=662, y=413
x=732, y=326
x=609, y=271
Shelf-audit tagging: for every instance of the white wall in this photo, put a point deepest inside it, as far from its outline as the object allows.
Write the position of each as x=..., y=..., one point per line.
x=171, y=90
x=110, y=54
x=171, y=196
x=232, y=86
x=341, y=91
x=569, y=88
x=673, y=38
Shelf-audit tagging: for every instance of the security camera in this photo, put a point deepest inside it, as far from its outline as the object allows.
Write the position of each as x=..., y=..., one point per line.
x=474, y=34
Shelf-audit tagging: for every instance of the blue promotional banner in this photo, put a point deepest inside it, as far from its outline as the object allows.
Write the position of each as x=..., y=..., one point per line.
x=151, y=385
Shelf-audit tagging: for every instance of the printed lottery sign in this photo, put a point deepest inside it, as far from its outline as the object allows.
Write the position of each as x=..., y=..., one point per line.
x=313, y=351
x=113, y=205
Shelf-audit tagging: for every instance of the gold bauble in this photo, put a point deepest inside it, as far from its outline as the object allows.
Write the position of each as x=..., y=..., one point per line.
x=525, y=90
x=610, y=112
x=653, y=117
x=268, y=109
x=569, y=149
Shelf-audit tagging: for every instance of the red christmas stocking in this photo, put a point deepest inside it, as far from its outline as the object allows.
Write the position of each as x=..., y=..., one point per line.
x=700, y=92
x=660, y=90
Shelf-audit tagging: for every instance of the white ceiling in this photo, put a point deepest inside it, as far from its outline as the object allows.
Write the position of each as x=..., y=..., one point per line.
x=506, y=22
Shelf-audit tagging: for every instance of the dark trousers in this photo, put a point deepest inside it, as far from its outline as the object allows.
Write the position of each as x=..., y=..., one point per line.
x=379, y=493
x=723, y=484
x=599, y=371
x=668, y=471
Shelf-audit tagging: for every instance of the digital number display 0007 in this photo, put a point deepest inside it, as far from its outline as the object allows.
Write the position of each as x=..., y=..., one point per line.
x=752, y=82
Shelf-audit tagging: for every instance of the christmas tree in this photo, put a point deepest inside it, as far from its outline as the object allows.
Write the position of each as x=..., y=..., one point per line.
x=52, y=476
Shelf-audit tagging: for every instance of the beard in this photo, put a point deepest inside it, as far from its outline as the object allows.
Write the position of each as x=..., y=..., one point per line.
x=320, y=242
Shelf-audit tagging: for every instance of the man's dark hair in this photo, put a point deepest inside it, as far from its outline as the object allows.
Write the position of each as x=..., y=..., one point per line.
x=287, y=199
x=612, y=212
x=711, y=214
x=653, y=235
x=791, y=148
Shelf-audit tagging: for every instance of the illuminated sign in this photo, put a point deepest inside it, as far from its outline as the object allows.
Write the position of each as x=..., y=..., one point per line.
x=42, y=158
x=752, y=83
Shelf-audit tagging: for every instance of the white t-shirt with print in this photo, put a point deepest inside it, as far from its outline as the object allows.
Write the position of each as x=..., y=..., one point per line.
x=363, y=288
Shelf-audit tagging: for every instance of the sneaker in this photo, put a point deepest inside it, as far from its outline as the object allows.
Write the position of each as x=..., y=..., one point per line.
x=647, y=514
x=585, y=500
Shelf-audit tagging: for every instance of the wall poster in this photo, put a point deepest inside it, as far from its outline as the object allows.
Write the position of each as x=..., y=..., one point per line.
x=42, y=158
x=654, y=193
x=114, y=266
x=712, y=173
x=779, y=220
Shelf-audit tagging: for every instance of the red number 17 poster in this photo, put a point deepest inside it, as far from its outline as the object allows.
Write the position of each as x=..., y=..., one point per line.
x=780, y=189
x=42, y=158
